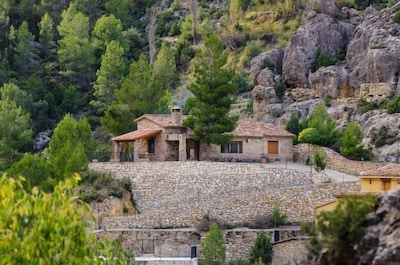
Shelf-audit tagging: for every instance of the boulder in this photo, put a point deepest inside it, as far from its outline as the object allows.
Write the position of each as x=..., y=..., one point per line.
x=373, y=54
x=262, y=96
x=377, y=93
x=327, y=81
x=379, y=126
x=322, y=32
x=323, y=6
x=381, y=245
x=265, y=78
x=257, y=64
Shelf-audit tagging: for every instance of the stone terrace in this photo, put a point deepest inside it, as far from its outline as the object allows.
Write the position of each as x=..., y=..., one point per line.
x=179, y=194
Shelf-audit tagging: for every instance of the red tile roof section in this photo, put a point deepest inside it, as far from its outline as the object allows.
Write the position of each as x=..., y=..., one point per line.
x=138, y=134
x=388, y=170
x=252, y=128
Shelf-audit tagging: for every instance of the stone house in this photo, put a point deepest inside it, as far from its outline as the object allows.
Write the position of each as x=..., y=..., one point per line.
x=161, y=137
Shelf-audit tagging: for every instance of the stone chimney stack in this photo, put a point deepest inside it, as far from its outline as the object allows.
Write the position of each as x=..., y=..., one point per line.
x=176, y=116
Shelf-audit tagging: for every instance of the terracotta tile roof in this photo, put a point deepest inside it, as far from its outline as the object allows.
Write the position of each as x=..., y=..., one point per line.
x=138, y=134
x=252, y=128
x=392, y=170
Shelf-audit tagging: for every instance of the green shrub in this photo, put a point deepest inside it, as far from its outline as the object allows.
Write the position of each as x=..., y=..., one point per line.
x=321, y=59
x=382, y=137
x=393, y=106
x=280, y=89
x=268, y=64
x=243, y=81
x=278, y=217
x=319, y=161
x=276, y=113
x=366, y=106
x=262, y=249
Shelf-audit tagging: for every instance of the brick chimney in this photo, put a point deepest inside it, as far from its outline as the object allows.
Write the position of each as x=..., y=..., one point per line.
x=176, y=116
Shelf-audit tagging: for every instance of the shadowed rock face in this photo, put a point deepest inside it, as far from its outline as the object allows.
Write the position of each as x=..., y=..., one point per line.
x=381, y=244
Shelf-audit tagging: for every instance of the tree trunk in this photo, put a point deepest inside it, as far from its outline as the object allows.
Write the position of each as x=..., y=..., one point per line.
x=193, y=11
x=152, y=36
x=208, y=151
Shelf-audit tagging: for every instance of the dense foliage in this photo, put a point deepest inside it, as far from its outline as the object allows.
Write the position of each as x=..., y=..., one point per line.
x=42, y=228
x=262, y=250
x=351, y=143
x=338, y=231
x=213, y=246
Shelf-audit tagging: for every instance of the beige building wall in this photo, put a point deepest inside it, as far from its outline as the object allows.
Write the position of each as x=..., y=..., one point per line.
x=253, y=149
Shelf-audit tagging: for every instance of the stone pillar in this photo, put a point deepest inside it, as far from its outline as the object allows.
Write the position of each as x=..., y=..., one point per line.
x=116, y=152
x=136, y=147
x=182, y=147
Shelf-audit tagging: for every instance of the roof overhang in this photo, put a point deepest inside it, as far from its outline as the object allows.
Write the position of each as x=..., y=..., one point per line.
x=135, y=135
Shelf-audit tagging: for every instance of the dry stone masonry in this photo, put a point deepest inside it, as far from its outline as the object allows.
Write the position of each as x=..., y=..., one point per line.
x=180, y=194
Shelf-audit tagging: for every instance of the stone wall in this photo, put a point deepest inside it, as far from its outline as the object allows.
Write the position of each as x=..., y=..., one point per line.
x=334, y=160
x=180, y=194
x=178, y=242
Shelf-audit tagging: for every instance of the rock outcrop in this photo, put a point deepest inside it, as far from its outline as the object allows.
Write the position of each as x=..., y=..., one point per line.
x=380, y=244
x=323, y=32
x=368, y=76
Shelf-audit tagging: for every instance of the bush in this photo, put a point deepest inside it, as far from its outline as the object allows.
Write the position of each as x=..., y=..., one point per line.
x=366, y=106
x=262, y=249
x=280, y=90
x=277, y=217
x=393, y=106
x=206, y=222
x=382, y=137
x=322, y=59
x=319, y=161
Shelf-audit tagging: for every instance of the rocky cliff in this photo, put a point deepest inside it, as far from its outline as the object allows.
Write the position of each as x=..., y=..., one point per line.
x=381, y=245
x=365, y=54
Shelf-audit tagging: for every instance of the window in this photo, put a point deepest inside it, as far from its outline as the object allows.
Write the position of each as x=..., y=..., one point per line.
x=273, y=147
x=151, y=145
x=234, y=147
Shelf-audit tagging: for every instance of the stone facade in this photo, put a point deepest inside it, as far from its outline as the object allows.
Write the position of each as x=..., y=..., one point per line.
x=179, y=194
x=377, y=92
x=178, y=242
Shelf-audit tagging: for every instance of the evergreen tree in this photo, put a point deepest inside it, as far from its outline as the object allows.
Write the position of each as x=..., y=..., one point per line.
x=294, y=126
x=107, y=29
x=165, y=66
x=25, y=53
x=108, y=77
x=71, y=146
x=352, y=146
x=46, y=38
x=15, y=132
x=213, y=92
x=213, y=246
x=140, y=93
x=262, y=250
x=325, y=125
x=36, y=171
x=76, y=51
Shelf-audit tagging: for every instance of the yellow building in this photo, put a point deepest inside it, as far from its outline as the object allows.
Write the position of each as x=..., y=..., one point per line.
x=372, y=181
x=382, y=179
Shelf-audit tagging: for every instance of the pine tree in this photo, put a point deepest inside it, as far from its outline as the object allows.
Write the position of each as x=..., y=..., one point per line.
x=262, y=249
x=213, y=246
x=140, y=93
x=108, y=77
x=213, y=92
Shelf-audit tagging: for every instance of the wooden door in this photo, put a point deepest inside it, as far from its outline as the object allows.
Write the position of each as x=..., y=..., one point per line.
x=273, y=147
x=386, y=184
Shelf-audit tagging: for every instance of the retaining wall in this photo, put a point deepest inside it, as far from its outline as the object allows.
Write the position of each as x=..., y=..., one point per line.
x=334, y=160
x=179, y=194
